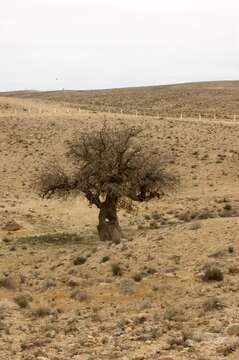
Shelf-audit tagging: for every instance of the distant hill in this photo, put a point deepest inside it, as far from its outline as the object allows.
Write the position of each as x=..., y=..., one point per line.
x=220, y=98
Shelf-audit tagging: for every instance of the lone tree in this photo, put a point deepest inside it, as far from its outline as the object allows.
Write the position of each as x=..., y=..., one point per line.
x=110, y=164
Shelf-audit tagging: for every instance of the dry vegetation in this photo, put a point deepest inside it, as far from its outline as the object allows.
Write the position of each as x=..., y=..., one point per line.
x=169, y=289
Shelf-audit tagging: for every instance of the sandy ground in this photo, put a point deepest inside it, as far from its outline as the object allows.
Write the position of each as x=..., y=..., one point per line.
x=59, y=298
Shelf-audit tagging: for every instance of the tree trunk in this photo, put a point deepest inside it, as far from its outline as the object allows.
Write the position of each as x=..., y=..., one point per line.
x=109, y=228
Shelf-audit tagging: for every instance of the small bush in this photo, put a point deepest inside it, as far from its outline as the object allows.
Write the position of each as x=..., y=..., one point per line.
x=213, y=274
x=227, y=207
x=230, y=249
x=105, y=258
x=79, y=260
x=116, y=269
x=138, y=276
x=41, y=311
x=22, y=300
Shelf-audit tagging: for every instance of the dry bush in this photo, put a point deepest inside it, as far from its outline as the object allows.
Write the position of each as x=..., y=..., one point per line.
x=116, y=269
x=22, y=300
x=42, y=311
x=213, y=274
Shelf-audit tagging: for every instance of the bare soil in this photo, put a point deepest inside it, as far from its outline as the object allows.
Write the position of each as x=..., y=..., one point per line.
x=60, y=295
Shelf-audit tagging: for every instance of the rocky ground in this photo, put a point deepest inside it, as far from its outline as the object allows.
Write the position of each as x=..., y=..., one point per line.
x=168, y=291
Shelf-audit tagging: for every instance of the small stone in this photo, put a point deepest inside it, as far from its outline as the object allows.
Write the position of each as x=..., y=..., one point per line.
x=189, y=343
x=11, y=226
x=233, y=329
x=216, y=254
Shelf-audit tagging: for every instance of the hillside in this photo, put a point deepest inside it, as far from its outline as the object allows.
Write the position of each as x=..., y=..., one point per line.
x=59, y=296
x=220, y=99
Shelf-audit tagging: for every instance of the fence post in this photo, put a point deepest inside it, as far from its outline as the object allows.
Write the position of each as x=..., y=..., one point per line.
x=181, y=116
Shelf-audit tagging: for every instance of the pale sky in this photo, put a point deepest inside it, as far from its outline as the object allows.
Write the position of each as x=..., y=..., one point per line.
x=88, y=44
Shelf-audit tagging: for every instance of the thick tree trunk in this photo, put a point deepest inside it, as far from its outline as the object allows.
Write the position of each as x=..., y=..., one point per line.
x=109, y=228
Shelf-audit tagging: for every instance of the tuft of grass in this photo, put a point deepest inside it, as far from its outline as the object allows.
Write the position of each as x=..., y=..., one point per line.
x=213, y=274
x=105, y=259
x=79, y=260
x=116, y=269
x=56, y=238
x=138, y=276
x=41, y=311
x=22, y=300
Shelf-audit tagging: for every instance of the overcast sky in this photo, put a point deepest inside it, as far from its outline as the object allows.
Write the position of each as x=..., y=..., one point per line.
x=86, y=44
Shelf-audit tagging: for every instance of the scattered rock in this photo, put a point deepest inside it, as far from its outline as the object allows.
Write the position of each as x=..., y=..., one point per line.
x=233, y=329
x=79, y=260
x=11, y=226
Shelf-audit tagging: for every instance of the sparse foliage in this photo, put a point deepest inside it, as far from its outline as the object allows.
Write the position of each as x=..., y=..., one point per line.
x=110, y=165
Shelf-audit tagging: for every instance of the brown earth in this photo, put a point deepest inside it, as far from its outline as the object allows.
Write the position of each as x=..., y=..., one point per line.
x=210, y=99
x=59, y=299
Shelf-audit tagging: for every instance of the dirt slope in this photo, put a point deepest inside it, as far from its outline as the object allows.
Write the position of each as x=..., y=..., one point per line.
x=58, y=296
x=220, y=98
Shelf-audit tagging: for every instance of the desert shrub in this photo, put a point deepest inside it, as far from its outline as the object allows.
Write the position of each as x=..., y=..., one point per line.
x=22, y=300
x=41, y=311
x=230, y=249
x=213, y=274
x=138, y=276
x=105, y=259
x=116, y=269
x=80, y=260
x=52, y=238
x=227, y=207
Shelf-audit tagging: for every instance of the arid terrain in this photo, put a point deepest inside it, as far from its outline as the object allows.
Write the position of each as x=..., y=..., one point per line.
x=170, y=289
x=210, y=99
